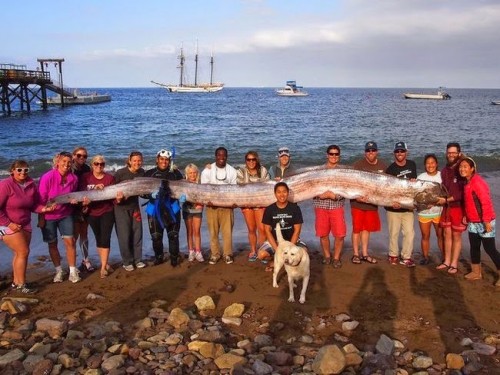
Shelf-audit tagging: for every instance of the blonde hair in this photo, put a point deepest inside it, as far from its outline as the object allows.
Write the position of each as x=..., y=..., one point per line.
x=96, y=158
x=192, y=167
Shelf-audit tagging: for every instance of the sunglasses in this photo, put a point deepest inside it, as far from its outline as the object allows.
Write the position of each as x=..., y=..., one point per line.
x=20, y=170
x=65, y=154
x=400, y=152
x=371, y=150
x=334, y=153
x=99, y=164
x=251, y=159
x=81, y=156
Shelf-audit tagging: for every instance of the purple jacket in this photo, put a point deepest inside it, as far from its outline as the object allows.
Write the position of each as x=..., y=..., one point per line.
x=51, y=186
x=16, y=203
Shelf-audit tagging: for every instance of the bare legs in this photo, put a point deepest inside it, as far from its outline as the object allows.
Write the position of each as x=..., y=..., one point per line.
x=256, y=235
x=69, y=243
x=337, y=246
x=19, y=243
x=193, y=226
x=425, y=229
x=363, y=237
x=452, y=248
x=104, y=256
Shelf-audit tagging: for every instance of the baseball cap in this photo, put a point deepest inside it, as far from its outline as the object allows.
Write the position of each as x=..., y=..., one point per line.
x=371, y=146
x=283, y=151
x=164, y=154
x=400, y=146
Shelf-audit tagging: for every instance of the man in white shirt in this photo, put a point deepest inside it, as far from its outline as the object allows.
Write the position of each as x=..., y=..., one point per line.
x=220, y=219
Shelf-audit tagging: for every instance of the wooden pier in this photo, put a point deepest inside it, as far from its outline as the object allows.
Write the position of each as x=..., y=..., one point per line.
x=19, y=86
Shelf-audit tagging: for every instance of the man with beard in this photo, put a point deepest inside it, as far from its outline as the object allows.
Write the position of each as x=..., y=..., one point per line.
x=453, y=213
x=171, y=220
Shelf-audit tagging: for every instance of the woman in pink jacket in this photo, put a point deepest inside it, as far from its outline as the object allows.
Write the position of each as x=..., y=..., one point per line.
x=480, y=217
x=57, y=181
x=18, y=199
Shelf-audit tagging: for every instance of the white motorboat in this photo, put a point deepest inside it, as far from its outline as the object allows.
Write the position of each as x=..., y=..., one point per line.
x=495, y=102
x=291, y=89
x=79, y=98
x=196, y=87
x=441, y=95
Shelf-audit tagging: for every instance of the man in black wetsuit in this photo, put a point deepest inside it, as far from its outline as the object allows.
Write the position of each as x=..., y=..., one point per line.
x=171, y=222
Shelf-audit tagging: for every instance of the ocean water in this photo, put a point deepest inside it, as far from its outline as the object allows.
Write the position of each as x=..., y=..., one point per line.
x=243, y=119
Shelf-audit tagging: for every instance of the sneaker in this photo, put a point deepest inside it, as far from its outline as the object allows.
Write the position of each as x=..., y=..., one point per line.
x=74, y=276
x=228, y=259
x=393, y=260
x=128, y=267
x=407, y=262
x=59, y=277
x=24, y=288
x=140, y=265
x=199, y=256
x=191, y=256
x=158, y=260
x=213, y=259
x=87, y=266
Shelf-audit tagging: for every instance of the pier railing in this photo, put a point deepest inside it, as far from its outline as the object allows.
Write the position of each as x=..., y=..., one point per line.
x=22, y=75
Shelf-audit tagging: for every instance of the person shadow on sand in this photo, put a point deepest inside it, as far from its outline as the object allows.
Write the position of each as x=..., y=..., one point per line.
x=375, y=307
x=448, y=303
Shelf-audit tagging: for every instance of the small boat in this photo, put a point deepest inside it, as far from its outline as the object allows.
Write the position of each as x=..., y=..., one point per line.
x=495, y=102
x=184, y=87
x=291, y=89
x=441, y=95
x=79, y=98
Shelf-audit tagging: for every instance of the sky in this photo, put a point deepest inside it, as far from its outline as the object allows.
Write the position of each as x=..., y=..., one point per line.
x=259, y=43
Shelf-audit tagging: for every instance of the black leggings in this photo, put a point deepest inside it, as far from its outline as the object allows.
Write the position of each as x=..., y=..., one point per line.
x=102, y=226
x=475, y=241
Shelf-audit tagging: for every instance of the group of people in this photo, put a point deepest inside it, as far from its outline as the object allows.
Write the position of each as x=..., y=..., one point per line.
x=468, y=206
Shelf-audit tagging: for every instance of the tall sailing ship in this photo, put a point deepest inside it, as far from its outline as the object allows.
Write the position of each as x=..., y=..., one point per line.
x=184, y=87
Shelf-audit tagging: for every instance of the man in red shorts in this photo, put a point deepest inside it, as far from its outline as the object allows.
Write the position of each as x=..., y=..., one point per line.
x=329, y=212
x=365, y=217
x=452, y=215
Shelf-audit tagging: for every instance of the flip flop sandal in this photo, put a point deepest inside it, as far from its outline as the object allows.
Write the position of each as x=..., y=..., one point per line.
x=326, y=261
x=252, y=258
x=368, y=259
x=443, y=266
x=264, y=261
x=337, y=263
x=355, y=259
x=452, y=270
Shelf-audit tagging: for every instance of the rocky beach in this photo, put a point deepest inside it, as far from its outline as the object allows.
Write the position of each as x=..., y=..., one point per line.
x=217, y=319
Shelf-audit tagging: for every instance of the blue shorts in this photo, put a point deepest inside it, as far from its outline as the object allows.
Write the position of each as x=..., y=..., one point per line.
x=65, y=226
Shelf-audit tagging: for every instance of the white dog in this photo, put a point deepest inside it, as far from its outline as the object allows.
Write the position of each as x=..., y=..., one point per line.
x=296, y=262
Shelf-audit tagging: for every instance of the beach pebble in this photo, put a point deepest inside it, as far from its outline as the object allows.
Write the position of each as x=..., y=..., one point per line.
x=350, y=326
x=329, y=360
x=385, y=345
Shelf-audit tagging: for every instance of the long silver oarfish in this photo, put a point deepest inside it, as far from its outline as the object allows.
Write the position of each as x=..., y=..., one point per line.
x=376, y=188
x=137, y=186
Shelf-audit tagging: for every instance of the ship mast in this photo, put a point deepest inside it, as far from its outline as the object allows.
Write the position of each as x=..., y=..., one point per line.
x=181, y=67
x=211, y=67
x=196, y=65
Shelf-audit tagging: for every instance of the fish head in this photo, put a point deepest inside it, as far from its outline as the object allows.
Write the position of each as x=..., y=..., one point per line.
x=429, y=195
